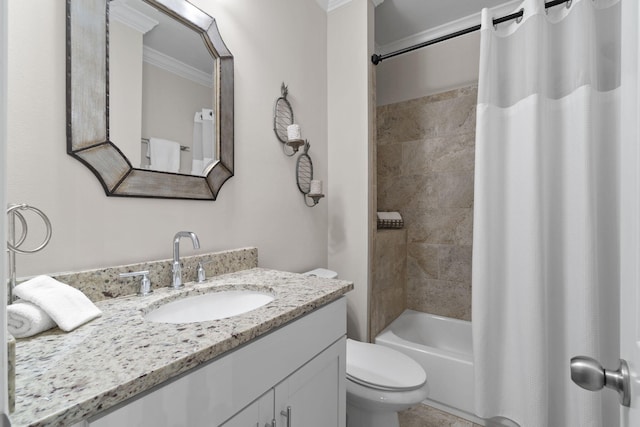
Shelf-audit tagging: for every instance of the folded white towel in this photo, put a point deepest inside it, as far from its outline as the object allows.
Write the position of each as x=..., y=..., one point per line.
x=164, y=155
x=25, y=319
x=67, y=306
x=393, y=216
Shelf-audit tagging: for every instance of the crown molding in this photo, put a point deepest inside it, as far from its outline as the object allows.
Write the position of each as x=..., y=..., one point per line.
x=445, y=29
x=334, y=4
x=125, y=14
x=329, y=5
x=172, y=65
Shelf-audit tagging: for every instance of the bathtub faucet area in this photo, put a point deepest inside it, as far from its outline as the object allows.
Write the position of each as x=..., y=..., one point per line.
x=176, y=268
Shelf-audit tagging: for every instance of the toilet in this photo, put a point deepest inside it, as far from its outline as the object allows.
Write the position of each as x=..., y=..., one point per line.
x=380, y=381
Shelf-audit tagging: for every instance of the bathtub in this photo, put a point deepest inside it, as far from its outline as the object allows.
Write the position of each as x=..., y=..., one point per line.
x=443, y=346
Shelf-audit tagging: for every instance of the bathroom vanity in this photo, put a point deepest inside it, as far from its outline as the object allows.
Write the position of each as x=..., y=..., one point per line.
x=281, y=364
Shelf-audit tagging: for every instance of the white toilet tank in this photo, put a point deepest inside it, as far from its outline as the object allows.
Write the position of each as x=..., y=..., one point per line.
x=322, y=272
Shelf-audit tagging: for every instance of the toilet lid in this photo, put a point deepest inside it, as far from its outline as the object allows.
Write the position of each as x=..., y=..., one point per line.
x=381, y=367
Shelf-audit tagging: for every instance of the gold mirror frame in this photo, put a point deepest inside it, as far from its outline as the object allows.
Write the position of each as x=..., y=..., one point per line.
x=88, y=105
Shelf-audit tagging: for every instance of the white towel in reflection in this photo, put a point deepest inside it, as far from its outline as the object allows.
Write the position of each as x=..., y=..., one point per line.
x=67, y=306
x=25, y=319
x=165, y=155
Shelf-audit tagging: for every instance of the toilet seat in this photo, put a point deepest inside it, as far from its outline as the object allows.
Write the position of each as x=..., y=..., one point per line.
x=382, y=368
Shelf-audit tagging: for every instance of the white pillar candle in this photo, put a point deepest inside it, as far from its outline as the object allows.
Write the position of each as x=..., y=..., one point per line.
x=293, y=132
x=316, y=186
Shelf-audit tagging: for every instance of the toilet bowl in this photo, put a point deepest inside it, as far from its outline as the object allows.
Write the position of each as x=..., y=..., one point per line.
x=380, y=381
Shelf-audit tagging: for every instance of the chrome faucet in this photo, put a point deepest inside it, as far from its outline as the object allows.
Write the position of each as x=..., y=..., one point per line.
x=176, y=268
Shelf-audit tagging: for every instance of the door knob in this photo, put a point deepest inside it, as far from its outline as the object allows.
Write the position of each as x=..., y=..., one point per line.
x=589, y=374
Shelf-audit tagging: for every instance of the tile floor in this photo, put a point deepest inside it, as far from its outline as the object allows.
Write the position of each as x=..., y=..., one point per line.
x=426, y=416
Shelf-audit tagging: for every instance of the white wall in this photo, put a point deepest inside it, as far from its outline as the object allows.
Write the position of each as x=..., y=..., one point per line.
x=350, y=45
x=437, y=68
x=272, y=42
x=125, y=89
x=169, y=103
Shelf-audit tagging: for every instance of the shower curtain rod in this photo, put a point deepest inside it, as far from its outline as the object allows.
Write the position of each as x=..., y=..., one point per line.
x=376, y=59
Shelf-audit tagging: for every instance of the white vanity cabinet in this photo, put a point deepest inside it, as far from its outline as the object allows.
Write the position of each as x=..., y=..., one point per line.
x=300, y=366
x=260, y=413
x=312, y=396
x=315, y=394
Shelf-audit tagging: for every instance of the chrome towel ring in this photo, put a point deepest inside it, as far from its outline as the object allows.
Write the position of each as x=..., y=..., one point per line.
x=13, y=245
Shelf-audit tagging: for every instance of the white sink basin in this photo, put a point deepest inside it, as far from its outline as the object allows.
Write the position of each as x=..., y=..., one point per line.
x=211, y=306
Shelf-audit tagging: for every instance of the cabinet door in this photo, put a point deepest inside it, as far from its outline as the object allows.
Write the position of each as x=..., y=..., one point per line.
x=315, y=394
x=257, y=414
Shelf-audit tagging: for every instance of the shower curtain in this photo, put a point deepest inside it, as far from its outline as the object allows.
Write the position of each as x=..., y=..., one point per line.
x=545, y=244
x=204, y=143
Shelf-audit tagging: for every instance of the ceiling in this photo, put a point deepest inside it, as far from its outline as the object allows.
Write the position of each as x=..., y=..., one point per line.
x=398, y=20
x=398, y=24
x=174, y=39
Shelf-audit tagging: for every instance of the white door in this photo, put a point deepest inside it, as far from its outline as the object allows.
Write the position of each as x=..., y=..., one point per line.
x=3, y=204
x=630, y=208
x=629, y=227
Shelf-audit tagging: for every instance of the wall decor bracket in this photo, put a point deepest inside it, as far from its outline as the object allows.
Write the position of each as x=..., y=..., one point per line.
x=288, y=133
x=282, y=119
x=310, y=188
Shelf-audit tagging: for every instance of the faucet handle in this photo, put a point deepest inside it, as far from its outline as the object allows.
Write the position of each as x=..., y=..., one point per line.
x=145, y=283
x=202, y=274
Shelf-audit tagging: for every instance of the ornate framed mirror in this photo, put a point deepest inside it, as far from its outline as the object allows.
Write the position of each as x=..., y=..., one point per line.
x=113, y=144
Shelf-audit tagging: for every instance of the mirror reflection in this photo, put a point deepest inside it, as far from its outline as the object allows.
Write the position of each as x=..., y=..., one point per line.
x=120, y=125
x=161, y=91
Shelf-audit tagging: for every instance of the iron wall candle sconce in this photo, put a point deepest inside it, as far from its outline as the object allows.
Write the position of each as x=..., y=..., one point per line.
x=288, y=133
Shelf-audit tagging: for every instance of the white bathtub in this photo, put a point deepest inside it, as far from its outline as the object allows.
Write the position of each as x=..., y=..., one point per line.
x=443, y=346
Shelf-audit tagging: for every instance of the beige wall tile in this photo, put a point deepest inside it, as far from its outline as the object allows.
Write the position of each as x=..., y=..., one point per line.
x=422, y=261
x=389, y=160
x=426, y=155
x=440, y=226
x=443, y=153
x=445, y=118
x=407, y=193
x=399, y=125
x=390, y=259
x=386, y=306
x=455, y=189
x=454, y=153
x=417, y=156
x=441, y=297
x=388, y=286
x=455, y=263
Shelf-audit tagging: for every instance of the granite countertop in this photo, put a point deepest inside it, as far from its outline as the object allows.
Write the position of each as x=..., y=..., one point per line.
x=63, y=378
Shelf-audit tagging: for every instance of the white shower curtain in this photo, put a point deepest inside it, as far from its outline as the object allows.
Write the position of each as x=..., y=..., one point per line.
x=204, y=143
x=545, y=245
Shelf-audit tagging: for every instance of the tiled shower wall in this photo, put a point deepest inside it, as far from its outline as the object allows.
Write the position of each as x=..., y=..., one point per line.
x=425, y=160
x=389, y=284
